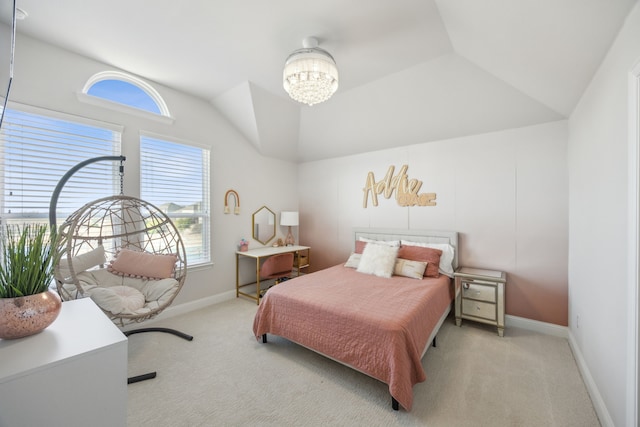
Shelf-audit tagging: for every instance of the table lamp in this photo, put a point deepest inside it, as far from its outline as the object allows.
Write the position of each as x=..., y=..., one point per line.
x=289, y=219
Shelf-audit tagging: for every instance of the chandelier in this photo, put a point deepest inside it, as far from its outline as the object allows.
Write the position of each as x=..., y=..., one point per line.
x=310, y=75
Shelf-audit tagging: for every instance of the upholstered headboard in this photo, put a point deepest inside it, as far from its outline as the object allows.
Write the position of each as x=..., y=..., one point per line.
x=423, y=236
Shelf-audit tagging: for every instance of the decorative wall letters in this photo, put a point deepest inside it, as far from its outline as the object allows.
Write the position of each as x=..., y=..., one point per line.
x=406, y=189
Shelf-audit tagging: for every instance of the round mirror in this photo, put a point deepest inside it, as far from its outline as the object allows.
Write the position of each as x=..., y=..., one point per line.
x=264, y=225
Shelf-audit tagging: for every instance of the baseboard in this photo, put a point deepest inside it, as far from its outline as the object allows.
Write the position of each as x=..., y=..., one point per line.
x=565, y=332
x=596, y=398
x=536, y=326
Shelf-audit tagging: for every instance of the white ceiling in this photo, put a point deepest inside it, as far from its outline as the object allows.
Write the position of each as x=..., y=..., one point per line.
x=411, y=71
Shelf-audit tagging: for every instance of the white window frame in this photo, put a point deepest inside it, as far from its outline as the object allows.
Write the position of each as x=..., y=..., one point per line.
x=205, y=215
x=163, y=117
x=78, y=179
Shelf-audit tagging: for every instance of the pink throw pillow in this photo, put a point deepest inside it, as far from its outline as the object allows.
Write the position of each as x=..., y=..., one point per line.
x=143, y=265
x=429, y=255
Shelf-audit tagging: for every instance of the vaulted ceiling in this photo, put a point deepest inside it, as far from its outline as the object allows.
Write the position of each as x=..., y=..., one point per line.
x=411, y=71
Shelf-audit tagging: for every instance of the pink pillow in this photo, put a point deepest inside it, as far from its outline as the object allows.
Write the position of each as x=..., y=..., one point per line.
x=429, y=255
x=360, y=246
x=143, y=265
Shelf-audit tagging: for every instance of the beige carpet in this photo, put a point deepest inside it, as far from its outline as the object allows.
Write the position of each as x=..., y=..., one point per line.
x=224, y=377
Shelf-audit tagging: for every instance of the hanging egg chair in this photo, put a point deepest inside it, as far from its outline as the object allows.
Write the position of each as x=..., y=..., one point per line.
x=124, y=253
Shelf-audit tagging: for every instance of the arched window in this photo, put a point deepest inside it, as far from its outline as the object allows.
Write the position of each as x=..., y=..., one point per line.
x=127, y=90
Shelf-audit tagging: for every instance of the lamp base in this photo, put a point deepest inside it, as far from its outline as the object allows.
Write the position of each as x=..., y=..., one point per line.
x=289, y=239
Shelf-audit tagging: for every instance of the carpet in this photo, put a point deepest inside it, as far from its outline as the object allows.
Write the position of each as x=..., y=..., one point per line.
x=225, y=377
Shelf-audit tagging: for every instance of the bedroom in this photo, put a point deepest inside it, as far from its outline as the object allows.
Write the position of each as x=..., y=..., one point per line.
x=521, y=195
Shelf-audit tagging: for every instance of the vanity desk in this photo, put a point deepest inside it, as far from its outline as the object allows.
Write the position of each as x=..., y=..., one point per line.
x=302, y=256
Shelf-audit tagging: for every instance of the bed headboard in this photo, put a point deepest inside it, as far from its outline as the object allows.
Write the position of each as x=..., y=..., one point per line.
x=423, y=236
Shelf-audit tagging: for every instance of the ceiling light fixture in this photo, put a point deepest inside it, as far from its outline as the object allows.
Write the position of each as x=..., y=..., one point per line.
x=310, y=75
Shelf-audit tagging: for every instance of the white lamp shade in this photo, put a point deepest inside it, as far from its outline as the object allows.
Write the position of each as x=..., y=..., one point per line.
x=289, y=218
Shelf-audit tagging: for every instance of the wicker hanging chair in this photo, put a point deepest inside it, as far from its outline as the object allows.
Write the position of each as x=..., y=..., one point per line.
x=122, y=252
x=97, y=234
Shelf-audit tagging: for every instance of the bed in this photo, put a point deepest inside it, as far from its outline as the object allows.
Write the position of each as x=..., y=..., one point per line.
x=379, y=325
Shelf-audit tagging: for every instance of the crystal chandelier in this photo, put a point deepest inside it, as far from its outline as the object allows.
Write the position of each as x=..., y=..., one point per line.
x=310, y=75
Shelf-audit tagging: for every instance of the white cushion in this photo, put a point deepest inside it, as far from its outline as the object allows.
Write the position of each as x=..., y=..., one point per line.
x=446, y=259
x=82, y=262
x=378, y=259
x=353, y=261
x=156, y=293
x=410, y=268
x=118, y=299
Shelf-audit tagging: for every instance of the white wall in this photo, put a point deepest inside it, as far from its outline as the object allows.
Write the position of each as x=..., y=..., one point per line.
x=504, y=192
x=598, y=206
x=49, y=77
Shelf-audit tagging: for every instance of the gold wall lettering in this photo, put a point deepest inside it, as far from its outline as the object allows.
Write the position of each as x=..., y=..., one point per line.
x=406, y=189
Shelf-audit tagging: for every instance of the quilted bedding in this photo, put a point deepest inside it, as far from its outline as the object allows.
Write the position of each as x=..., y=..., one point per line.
x=379, y=326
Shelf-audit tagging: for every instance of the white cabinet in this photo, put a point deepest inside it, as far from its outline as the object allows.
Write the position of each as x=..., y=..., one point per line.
x=480, y=296
x=74, y=373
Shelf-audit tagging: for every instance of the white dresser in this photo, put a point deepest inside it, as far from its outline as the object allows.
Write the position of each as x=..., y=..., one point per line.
x=74, y=373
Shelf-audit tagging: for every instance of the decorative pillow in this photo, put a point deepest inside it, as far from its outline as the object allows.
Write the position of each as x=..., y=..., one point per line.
x=446, y=259
x=378, y=259
x=82, y=262
x=418, y=253
x=408, y=268
x=118, y=299
x=143, y=265
x=362, y=242
x=353, y=261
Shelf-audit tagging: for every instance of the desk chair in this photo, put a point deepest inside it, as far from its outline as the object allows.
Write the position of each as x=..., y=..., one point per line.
x=278, y=267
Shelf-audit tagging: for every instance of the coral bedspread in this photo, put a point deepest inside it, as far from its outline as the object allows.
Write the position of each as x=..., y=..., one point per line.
x=378, y=326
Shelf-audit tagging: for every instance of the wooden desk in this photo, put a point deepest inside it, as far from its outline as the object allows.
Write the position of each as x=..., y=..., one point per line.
x=266, y=252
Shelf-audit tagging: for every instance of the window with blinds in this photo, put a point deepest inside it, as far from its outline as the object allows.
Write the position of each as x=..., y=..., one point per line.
x=175, y=178
x=37, y=150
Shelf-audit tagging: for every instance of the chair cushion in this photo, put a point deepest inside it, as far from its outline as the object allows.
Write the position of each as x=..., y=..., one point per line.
x=156, y=293
x=82, y=262
x=277, y=265
x=118, y=299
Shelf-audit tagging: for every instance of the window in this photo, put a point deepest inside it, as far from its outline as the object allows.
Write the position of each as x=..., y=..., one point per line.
x=37, y=150
x=123, y=89
x=175, y=178
x=124, y=93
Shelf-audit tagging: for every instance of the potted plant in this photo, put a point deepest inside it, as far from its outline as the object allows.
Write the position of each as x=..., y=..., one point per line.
x=27, y=306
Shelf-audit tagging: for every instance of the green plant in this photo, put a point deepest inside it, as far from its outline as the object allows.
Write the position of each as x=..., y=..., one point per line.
x=26, y=262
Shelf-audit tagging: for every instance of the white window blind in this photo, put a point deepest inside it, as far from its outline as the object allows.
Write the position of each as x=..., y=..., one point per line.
x=175, y=178
x=37, y=150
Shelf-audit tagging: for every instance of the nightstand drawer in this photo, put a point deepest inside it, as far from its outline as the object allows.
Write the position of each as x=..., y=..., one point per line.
x=483, y=310
x=479, y=292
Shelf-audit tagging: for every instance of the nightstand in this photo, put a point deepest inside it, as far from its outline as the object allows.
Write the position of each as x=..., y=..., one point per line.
x=480, y=296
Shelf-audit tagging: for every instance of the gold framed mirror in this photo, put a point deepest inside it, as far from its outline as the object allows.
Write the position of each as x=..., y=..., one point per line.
x=263, y=225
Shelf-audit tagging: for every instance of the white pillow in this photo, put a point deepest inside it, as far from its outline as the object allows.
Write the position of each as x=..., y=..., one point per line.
x=446, y=259
x=378, y=259
x=382, y=242
x=409, y=268
x=353, y=261
x=82, y=262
